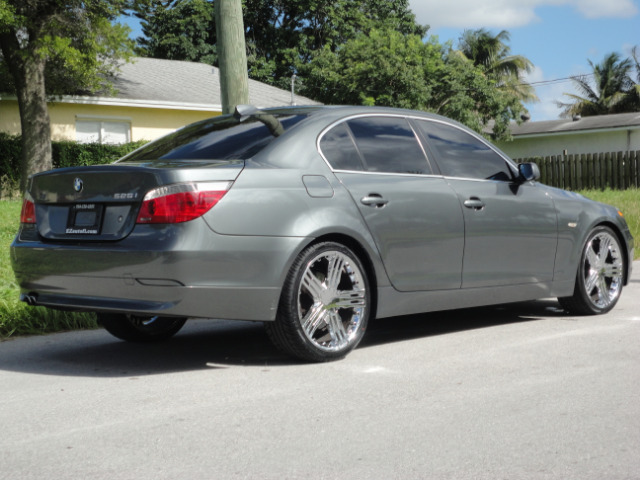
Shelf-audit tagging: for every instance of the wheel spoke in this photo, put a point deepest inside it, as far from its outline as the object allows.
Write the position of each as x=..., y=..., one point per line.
x=349, y=299
x=312, y=285
x=313, y=319
x=592, y=257
x=334, y=271
x=605, y=245
x=603, y=291
x=336, y=329
x=591, y=281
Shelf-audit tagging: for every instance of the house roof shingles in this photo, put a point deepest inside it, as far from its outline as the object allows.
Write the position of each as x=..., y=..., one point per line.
x=600, y=122
x=188, y=83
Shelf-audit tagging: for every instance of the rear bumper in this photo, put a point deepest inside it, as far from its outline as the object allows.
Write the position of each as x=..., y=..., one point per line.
x=187, y=270
x=258, y=304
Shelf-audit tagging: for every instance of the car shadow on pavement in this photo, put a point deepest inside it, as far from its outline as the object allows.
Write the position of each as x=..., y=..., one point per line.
x=396, y=329
x=206, y=344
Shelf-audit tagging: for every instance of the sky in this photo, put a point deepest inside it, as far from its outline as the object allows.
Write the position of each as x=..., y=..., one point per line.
x=558, y=36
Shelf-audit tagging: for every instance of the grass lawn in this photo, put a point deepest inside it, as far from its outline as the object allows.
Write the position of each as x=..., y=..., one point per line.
x=16, y=318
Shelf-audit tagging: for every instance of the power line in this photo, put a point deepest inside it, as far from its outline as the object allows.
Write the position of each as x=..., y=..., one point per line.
x=559, y=80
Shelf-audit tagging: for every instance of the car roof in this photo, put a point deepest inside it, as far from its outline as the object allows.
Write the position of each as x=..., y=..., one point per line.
x=336, y=112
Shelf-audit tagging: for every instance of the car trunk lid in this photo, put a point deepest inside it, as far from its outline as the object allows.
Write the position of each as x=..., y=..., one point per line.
x=101, y=203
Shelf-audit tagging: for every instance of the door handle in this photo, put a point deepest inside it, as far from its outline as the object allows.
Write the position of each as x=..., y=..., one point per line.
x=374, y=200
x=474, y=203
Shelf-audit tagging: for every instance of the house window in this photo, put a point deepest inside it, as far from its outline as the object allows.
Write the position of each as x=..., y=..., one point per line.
x=99, y=131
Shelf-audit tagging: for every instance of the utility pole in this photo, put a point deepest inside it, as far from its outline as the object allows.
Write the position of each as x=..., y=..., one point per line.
x=232, y=54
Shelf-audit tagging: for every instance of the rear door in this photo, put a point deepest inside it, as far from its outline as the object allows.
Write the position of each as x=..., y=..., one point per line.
x=511, y=228
x=414, y=216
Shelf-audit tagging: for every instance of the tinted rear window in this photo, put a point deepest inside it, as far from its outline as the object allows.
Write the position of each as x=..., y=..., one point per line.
x=215, y=139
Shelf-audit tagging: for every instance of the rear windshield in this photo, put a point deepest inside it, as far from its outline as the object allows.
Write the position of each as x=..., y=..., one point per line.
x=220, y=138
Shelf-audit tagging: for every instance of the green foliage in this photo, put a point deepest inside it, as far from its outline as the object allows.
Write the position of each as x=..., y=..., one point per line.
x=282, y=36
x=65, y=154
x=76, y=40
x=385, y=67
x=627, y=201
x=73, y=154
x=493, y=55
x=54, y=47
x=10, y=151
x=177, y=30
x=464, y=92
x=7, y=15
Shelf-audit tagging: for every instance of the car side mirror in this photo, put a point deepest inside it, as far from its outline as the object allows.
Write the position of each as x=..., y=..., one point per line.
x=528, y=172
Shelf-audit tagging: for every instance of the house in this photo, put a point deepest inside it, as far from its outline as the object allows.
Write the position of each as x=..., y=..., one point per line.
x=603, y=133
x=154, y=97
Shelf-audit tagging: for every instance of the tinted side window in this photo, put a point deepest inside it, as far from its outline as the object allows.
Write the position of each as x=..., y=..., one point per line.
x=338, y=148
x=462, y=155
x=388, y=144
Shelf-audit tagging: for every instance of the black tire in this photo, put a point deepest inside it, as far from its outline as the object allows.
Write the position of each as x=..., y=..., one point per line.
x=137, y=329
x=324, y=306
x=600, y=275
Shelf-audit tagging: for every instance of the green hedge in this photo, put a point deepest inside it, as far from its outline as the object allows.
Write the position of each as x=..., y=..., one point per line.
x=65, y=154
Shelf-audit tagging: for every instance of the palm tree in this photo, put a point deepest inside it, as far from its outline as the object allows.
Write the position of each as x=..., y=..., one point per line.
x=492, y=53
x=610, y=91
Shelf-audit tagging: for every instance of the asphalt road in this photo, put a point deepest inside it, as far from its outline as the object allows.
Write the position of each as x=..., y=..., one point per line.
x=515, y=392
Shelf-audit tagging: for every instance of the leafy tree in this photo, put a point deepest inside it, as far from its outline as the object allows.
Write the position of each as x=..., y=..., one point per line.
x=611, y=90
x=177, y=30
x=286, y=34
x=463, y=91
x=492, y=53
x=53, y=47
x=385, y=67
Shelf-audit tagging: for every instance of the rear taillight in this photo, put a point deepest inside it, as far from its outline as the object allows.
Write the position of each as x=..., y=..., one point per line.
x=180, y=202
x=28, y=213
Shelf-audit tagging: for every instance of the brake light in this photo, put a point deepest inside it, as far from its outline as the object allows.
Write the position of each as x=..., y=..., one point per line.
x=28, y=212
x=181, y=202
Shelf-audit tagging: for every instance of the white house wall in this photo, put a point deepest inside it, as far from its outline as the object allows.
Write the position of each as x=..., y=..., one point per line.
x=573, y=143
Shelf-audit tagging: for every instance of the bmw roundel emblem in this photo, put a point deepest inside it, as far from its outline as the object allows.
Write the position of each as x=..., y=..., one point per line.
x=78, y=185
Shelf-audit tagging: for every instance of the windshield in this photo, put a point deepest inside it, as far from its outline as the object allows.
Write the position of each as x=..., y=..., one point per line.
x=220, y=138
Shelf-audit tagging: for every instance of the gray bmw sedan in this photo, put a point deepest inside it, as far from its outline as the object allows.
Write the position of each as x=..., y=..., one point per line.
x=312, y=220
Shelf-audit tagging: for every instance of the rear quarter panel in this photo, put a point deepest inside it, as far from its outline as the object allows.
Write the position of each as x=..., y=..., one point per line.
x=275, y=202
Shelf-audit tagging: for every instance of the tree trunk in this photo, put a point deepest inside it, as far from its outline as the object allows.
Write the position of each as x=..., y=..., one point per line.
x=34, y=119
x=27, y=69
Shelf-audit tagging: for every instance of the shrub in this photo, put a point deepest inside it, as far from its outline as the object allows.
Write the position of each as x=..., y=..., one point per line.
x=64, y=153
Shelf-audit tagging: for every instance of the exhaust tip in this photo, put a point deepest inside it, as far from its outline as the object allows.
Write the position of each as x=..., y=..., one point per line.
x=29, y=298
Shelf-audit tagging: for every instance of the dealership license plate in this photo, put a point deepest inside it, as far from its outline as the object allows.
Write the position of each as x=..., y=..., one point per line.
x=84, y=219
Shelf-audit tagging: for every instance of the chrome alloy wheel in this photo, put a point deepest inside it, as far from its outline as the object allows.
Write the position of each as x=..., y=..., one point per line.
x=602, y=269
x=331, y=300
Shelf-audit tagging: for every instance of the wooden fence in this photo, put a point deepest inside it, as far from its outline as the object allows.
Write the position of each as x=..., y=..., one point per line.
x=615, y=170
